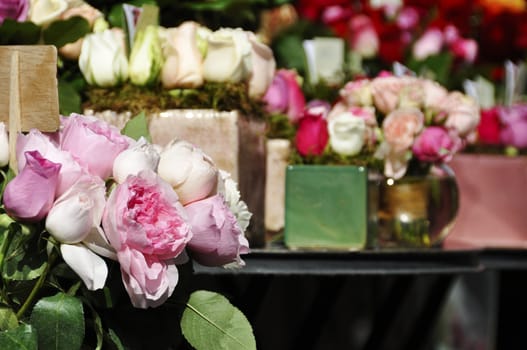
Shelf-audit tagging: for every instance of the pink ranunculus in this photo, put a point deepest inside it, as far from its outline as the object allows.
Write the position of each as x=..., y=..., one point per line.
x=93, y=143
x=400, y=128
x=29, y=196
x=312, y=135
x=285, y=95
x=14, y=9
x=463, y=113
x=363, y=37
x=435, y=145
x=357, y=93
x=514, y=129
x=217, y=238
x=147, y=226
x=70, y=170
x=429, y=44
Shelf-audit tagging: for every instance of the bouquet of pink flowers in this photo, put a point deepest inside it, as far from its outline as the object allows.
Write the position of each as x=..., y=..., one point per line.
x=87, y=198
x=402, y=124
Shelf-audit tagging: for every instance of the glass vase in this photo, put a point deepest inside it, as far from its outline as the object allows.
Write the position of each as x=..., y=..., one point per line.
x=414, y=211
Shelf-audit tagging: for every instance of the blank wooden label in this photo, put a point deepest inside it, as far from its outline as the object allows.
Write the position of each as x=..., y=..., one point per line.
x=37, y=81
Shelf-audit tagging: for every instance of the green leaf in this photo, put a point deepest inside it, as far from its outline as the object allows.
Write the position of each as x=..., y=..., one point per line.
x=25, y=259
x=137, y=127
x=20, y=338
x=19, y=33
x=8, y=319
x=69, y=98
x=211, y=322
x=62, y=32
x=60, y=321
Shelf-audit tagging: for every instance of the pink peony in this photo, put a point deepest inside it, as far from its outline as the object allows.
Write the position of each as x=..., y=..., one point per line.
x=29, y=196
x=312, y=135
x=93, y=143
x=217, y=238
x=146, y=225
x=435, y=144
x=285, y=95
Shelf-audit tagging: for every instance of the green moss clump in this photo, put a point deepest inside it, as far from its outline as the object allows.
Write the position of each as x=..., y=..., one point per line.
x=218, y=96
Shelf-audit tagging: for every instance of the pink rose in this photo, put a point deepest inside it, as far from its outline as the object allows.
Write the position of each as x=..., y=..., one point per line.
x=85, y=136
x=462, y=113
x=514, y=129
x=363, y=37
x=70, y=170
x=465, y=49
x=14, y=9
x=435, y=144
x=29, y=196
x=312, y=135
x=429, y=44
x=146, y=225
x=400, y=128
x=285, y=95
x=217, y=238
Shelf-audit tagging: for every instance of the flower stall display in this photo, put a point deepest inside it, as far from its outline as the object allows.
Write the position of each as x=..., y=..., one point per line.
x=94, y=223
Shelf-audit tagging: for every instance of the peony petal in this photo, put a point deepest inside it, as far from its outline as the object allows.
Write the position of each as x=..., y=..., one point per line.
x=90, y=267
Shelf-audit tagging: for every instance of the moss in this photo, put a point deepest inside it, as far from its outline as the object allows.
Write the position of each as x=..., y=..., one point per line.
x=219, y=96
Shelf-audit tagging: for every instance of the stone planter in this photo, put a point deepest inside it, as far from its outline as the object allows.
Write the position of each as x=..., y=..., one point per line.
x=234, y=142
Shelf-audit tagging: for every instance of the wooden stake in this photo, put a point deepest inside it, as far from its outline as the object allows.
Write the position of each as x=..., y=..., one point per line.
x=14, y=110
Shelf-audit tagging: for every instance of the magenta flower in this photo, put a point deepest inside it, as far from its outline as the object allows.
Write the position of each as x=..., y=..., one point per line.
x=312, y=135
x=217, y=238
x=14, y=9
x=435, y=144
x=29, y=196
x=146, y=225
x=285, y=95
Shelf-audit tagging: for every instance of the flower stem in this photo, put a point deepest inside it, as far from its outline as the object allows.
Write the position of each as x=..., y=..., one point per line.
x=36, y=287
x=3, y=250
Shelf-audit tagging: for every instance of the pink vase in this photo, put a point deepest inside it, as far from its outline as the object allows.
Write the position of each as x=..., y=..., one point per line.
x=493, y=202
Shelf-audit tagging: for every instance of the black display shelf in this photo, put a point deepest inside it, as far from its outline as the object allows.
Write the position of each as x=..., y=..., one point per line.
x=280, y=261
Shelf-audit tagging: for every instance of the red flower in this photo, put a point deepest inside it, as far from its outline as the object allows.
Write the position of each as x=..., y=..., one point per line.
x=313, y=9
x=489, y=127
x=312, y=135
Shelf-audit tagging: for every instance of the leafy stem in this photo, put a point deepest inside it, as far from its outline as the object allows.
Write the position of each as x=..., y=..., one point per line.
x=36, y=288
x=9, y=234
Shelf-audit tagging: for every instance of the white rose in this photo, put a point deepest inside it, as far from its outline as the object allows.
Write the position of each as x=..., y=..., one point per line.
x=143, y=155
x=77, y=211
x=263, y=67
x=229, y=188
x=43, y=12
x=4, y=145
x=191, y=173
x=183, y=59
x=228, y=56
x=347, y=133
x=103, y=60
x=146, y=57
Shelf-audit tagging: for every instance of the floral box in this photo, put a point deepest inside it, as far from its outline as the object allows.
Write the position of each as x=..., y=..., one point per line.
x=326, y=207
x=234, y=142
x=492, y=190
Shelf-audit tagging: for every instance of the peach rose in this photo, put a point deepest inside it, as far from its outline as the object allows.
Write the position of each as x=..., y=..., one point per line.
x=400, y=128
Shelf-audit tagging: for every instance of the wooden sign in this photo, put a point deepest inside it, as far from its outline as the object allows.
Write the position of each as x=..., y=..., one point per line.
x=28, y=87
